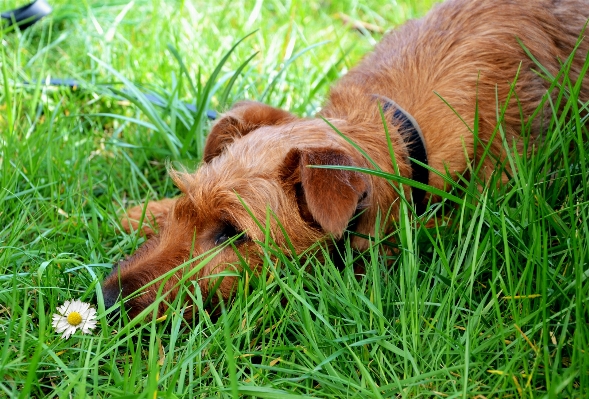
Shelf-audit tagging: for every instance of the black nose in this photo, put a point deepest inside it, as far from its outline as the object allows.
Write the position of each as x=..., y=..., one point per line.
x=111, y=295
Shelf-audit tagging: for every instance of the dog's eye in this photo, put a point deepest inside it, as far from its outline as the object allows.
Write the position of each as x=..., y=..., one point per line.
x=227, y=232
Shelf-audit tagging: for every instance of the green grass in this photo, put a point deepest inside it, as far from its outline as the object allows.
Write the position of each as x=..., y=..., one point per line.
x=493, y=304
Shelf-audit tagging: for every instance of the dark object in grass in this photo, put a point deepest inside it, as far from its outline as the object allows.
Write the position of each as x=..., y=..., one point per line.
x=27, y=15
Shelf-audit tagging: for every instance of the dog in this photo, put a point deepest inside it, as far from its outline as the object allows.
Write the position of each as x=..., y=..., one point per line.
x=460, y=59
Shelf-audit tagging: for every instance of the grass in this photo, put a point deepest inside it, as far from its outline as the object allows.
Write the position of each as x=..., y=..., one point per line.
x=492, y=305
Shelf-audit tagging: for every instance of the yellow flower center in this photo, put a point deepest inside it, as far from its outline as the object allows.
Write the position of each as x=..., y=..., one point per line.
x=74, y=318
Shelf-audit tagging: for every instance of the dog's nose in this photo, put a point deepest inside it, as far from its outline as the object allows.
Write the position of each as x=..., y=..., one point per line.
x=111, y=295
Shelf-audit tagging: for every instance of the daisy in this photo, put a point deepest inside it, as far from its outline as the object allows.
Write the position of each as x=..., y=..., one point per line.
x=72, y=316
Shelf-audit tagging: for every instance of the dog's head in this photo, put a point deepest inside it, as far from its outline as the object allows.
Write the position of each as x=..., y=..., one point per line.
x=256, y=172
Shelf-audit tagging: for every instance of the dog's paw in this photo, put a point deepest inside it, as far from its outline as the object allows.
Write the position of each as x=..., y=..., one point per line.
x=155, y=215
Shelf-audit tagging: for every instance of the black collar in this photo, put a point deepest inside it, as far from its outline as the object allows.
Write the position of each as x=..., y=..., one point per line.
x=411, y=133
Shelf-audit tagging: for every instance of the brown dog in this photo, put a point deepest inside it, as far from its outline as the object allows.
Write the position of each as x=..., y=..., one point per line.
x=465, y=52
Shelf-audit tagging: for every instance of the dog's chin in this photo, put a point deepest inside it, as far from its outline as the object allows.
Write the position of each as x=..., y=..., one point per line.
x=132, y=297
x=134, y=307
x=128, y=297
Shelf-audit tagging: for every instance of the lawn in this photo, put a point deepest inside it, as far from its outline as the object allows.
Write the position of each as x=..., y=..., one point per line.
x=490, y=302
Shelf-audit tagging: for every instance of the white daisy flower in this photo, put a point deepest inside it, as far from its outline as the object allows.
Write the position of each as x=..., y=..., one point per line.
x=72, y=316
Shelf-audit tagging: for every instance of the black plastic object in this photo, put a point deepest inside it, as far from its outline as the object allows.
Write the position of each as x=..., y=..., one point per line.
x=28, y=15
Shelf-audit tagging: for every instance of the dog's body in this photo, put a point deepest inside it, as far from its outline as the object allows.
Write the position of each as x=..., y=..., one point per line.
x=464, y=52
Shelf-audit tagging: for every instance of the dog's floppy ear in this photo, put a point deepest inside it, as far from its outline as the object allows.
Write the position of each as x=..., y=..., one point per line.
x=329, y=196
x=244, y=117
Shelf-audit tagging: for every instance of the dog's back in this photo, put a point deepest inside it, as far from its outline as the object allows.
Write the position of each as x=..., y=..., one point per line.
x=467, y=53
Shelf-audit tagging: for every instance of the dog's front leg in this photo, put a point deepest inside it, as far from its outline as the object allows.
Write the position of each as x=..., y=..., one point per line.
x=155, y=215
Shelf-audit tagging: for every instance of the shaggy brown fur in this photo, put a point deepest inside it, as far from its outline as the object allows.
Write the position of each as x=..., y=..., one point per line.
x=464, y=51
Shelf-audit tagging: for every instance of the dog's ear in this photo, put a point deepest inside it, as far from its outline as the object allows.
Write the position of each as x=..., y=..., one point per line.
x=244, y=117
x=329, y=197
